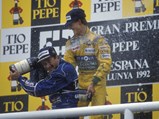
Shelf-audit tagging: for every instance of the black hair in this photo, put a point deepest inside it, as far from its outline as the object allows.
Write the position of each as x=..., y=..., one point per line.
x=84, y=21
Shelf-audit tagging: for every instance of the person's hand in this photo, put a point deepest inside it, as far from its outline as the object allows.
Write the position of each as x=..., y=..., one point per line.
x=91, y=89
x=14, y=75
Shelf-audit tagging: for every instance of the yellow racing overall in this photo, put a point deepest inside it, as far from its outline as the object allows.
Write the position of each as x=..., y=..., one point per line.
x=92, y=54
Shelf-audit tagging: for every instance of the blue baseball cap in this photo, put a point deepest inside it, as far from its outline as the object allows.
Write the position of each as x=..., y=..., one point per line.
x=45, y=53
x=74, y=15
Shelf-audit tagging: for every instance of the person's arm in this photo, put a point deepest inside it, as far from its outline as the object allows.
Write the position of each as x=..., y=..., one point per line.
x=104, y=60
x=26, y=84
x=70, y=72
x=51, y=84
x=48, y=85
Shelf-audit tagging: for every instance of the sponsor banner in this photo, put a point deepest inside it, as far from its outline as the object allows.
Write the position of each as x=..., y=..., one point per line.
x=106, y=9
x=155, y=93
x=45, y=12
x=34, y=103
x=8, y=86
x=155, y=98
x=137, y=7
x=134, y=94
x=67, y=5
x=16, y=13
x=113, y=97
x=156, y=6
x=15, y=44
x=54, y=36
x=0, y=43
x=37, y=103
x=0, y=14
x=134, y=43
x=13, y=103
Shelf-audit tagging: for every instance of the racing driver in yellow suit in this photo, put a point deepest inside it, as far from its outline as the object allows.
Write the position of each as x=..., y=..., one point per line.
x=92, y=54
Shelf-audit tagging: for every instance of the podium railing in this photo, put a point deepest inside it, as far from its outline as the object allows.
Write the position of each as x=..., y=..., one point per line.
x=126, y=109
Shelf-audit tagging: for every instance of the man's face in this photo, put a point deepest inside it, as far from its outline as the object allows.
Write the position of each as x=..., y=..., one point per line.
x=50, y=64
x=76, y=27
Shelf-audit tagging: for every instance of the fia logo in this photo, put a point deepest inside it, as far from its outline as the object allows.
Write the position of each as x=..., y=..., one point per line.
x=55, y=38
x=139, y=6
x=16, y=11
